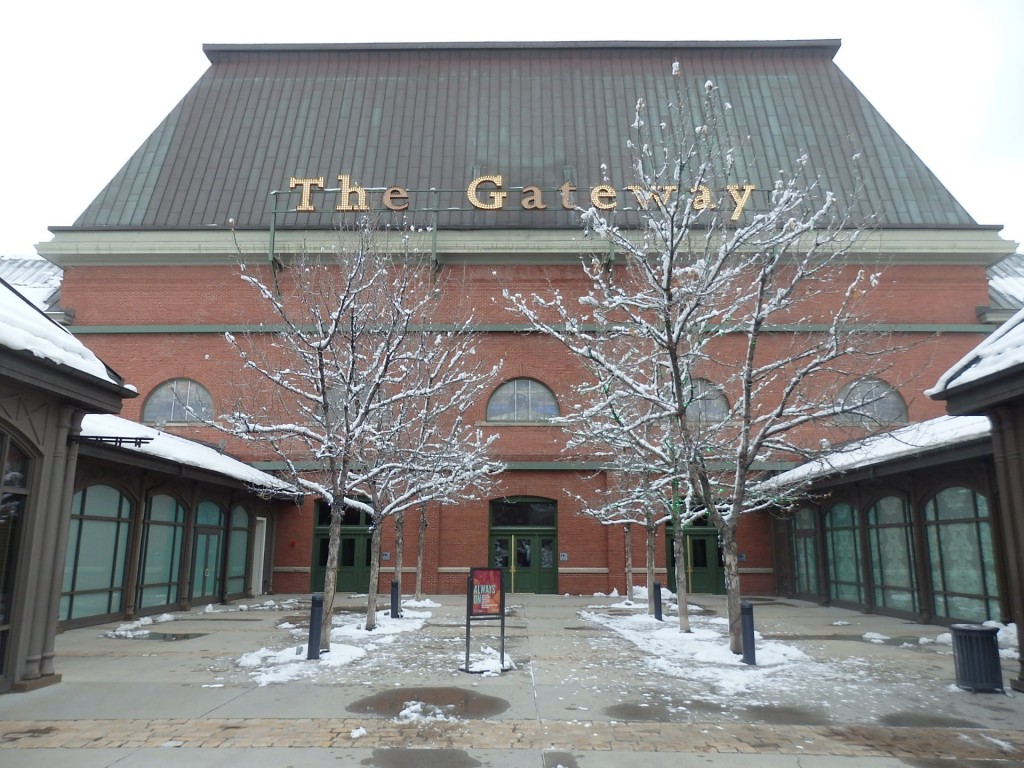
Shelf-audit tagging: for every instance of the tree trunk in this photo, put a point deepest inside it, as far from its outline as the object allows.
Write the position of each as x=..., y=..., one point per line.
x=371, y=598
x=399, y=550
x=627, y=530
x=419, y=551
x=733, y=598
x=678, y=548
x=331, y=575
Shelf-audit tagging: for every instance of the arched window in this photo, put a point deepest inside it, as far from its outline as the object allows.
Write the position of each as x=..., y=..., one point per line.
x=708, y=404
x=178, y=401
x=871, y=403
x=522, y=400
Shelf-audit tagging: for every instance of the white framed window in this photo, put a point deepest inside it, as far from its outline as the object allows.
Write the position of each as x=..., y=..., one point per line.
x=178, y=401
x=708, y=403
x=522, y=399
x=871, y=403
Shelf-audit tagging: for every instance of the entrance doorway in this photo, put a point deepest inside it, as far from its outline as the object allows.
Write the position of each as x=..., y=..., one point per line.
x=353, y=550
x=207, y=552
x=524, y=542
x=705, y=572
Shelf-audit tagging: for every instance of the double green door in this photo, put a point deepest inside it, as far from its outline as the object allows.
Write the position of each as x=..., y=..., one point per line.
x=353, y=561
x=703, y=556
x=527, y=559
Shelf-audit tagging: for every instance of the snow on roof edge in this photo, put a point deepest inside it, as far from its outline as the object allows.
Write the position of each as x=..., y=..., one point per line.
x=25, y=328
x=997, y=352
x=912, y=440
x=180, y=450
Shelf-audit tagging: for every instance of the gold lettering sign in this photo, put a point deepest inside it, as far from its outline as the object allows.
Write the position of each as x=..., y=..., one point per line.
x=533, y=199
x=702, y=198
x=739, y=195
x=566, y=191
x=305, y=203
x=345, y=194
x=659, y=195
x=497, y=199
x=487, y=193
x=603, y=197
x=396, y=199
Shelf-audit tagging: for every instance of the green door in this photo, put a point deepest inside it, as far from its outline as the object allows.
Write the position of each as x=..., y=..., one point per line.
x=704, y=567
x=206, y=564
x=524, y=541
x=353, y=550
x=704, y=570
x=527, y=561
x=207, y=552
x=354, y=563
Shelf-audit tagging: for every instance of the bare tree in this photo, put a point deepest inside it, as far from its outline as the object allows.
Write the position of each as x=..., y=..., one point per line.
x=339, y=387
x=718, y=329
x=422, y=449
x=631, y=450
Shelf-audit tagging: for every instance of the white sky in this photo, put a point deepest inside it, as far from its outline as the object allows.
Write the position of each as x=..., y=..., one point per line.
x=86, y=83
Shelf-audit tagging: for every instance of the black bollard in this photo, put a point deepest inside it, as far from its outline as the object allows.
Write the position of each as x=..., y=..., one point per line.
x=657, y=600
x=747, y=632
x=316, y=616
x=396, y=608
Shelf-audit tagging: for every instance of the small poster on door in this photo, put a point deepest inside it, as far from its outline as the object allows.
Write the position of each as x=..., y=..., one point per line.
x=486, y=591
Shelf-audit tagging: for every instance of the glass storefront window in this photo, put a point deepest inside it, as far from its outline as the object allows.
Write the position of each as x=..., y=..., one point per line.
x=892, y=555
x=94, y=563
x=961, y=561
x=846, y=582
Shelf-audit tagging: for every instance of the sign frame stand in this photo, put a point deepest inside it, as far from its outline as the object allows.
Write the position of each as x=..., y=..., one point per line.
x=481, y=605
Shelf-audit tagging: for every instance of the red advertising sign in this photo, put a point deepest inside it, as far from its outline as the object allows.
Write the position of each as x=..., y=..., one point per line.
x=486, y=590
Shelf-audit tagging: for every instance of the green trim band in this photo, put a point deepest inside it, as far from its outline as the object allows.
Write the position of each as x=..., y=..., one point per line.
x=929, y=328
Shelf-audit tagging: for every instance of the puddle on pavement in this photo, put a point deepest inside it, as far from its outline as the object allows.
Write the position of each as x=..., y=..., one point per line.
x=420, y=758
x=171, y=636
x=652, y=713
x=27, y=732
x=452, y=701
x=559, y=760
x=773, y=715
x=924, y=720
x=665, y=711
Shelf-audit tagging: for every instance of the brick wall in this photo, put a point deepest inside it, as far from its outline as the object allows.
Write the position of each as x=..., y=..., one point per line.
x=458, y=536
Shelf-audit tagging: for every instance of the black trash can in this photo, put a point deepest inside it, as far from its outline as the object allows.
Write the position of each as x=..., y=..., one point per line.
x=976, y=657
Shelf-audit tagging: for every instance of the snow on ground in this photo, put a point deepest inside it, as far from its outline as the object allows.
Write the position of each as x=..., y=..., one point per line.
x=350, y=642
x=488, y=663
x=135, y=630
x=697, y=667
x=705, y=670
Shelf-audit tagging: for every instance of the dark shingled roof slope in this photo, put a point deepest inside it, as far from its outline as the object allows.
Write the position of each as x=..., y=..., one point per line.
x=438, y=115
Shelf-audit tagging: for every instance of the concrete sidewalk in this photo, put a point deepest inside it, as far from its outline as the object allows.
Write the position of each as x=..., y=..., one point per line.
x=580, y=696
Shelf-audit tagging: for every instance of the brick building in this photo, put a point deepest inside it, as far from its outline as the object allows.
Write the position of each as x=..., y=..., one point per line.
x=486, y=150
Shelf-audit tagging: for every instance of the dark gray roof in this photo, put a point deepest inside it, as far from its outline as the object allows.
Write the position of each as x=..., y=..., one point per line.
x=36, y=279
x=428, y=116
x=1006, y=282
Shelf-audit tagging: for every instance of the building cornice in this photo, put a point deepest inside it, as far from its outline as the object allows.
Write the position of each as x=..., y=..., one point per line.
x=74, y=247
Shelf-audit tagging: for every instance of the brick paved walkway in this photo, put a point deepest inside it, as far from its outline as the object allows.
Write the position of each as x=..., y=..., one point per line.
x=577, y=737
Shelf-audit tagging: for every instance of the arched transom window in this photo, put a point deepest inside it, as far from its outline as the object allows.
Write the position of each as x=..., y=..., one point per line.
x=522, y=400
x=708, y=404
x=178, y=401
x=871, y=403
